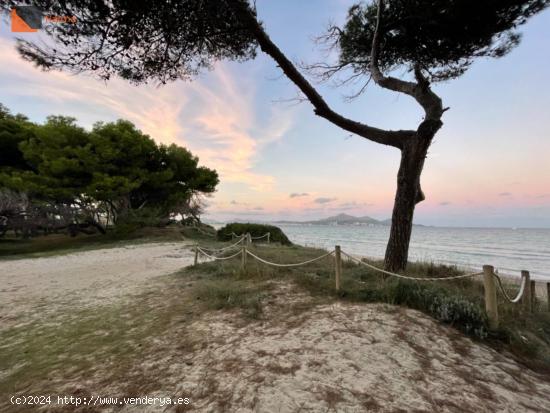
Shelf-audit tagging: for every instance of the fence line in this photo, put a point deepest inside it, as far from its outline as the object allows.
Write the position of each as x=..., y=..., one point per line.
x=406, y=277
x=223, y=249
x=261, y=236
x=524, y=282
x=250, y=237
x=288, y=265
x=525, y=294
x=218, y=258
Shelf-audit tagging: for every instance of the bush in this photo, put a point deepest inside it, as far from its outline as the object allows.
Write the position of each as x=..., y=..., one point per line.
x=256, y=230
x=443, y=305
x=135, y=219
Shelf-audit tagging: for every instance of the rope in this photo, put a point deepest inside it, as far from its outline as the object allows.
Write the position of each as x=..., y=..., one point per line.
x=521, y=289
x=223, y=249
x=406, y=277
x=288, y=265
x=260, y=237
x=237, y=235
x=218, y=258
x=244, y=235
x=203, y=232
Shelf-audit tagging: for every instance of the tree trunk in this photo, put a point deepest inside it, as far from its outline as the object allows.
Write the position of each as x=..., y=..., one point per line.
x=408, y=194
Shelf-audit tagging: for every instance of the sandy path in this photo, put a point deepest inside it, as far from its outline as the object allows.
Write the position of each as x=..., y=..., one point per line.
x=84, y=278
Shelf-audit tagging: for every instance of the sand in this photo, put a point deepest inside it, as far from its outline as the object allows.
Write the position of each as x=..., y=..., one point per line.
x=355, y=358
x=83, y=278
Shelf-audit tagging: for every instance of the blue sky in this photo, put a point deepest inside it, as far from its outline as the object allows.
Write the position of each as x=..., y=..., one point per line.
x=488, y=166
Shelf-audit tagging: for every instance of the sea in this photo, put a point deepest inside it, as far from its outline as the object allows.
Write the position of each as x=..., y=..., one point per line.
x=508, y=250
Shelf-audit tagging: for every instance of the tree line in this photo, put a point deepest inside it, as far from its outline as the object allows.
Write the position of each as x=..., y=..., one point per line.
x=58, y=176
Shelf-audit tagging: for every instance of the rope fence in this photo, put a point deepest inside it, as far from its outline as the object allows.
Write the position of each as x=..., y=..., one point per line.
x=213, y=257
x=274, y=264
x=518, y=297
x=223, y=249
x=406, y=277
x=250, y=238
x=491, y=279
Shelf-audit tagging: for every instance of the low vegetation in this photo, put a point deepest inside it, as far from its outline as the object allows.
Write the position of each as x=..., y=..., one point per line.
x=255, y=230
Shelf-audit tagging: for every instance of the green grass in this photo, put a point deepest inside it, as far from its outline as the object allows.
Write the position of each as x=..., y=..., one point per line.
x=230, y=294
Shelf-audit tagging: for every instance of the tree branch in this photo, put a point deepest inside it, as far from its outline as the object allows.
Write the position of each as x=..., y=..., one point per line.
x=421, y=92
x=322, y=109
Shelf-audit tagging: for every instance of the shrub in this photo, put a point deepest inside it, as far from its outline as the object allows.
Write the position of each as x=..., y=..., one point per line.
x=256, y=230
x=135, y=219
x=443, y=305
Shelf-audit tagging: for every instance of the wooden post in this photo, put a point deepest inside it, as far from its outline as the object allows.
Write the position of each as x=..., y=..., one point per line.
x=337, y=266
x=243, y=258
x=533, y=296
x=249, y=239
x=526, y=299
x=548, y=295
x=196, y=255
x=490, y=296
x=268, y=236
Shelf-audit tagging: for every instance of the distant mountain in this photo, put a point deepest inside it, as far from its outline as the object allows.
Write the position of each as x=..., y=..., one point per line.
x=342, y=219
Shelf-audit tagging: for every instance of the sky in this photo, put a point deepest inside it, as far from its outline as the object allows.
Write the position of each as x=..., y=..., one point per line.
x=488, y=166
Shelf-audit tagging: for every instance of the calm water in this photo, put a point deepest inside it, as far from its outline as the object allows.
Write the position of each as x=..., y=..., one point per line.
x=509, y=250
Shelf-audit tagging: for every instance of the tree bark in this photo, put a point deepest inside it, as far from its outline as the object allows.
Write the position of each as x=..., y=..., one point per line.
x=408, y=194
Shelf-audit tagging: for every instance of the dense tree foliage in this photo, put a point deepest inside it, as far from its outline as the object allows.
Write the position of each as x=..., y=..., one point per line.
x=164, y=40
x=68, y=175
x=140, y=40
x=440, y=37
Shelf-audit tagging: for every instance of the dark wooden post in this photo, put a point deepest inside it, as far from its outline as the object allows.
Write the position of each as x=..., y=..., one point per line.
x=337, y=266
x=526, y=299
x=490, y=296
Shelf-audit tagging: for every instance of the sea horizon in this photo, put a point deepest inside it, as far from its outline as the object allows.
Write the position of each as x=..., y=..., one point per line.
x=509, y=250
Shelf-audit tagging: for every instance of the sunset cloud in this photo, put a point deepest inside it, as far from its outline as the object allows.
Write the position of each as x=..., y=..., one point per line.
x=215, y=119
x=298, y=195
x=323, y=200
x=354, y=204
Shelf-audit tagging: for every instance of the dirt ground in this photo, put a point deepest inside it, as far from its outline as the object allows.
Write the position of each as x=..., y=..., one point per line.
x=356, y=358
x=301, y=355
x=83, y=278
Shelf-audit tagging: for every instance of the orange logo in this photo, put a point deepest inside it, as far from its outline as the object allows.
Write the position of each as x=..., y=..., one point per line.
x=25, y=19
x=28, y=19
